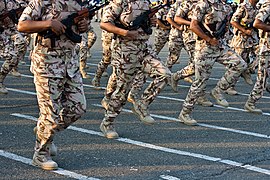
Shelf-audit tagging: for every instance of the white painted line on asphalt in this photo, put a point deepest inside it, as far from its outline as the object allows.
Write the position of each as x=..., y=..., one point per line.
x=177, y=120
x=164, y=149
x=204, y=125
x=59, y=171
x=167, y=177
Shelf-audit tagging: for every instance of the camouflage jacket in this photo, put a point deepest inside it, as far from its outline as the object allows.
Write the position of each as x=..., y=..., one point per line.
x=162, y=14
x=263, y=16
x=6, y=23
x=244, y=15
x=125, y=12
x=61, y=59
x=185, y=11
x=210, y=13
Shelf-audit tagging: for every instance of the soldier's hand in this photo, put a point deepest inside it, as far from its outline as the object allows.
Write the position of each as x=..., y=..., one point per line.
x=214, y=41
x=57, y=27
x=132, y=35
x=83, y=25
x=248, y=32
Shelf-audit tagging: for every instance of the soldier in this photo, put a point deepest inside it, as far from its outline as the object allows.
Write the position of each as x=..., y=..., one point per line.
x=8, y=46
x=175, y=43
x=57, y=78
x=245, y=38
x=208, y=17
x=262, y=22
x=163, y=28
x=183, y=17
x=130, y=54
x=88, y=40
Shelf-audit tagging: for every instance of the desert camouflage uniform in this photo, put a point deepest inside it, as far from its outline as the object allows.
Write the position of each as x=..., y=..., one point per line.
x=8, y=47
x=161, y=35
x=56, y=72
x=88, y=40
x=243, y=44
x=189, y=38
x=264, y=56
x=175, y=43
x=131, y=56
x=212, y=12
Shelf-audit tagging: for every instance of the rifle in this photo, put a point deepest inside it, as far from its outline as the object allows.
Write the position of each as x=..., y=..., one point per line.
x=143, y=20
x=71, y=20
x=13, y=14
x=222, y=27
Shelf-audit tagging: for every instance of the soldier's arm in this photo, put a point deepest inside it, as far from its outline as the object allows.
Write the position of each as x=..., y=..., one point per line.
x=172, y=22
x=237, y=16
x=261, y=25
x=195, y=27
x=163, y=26
x=180, y=20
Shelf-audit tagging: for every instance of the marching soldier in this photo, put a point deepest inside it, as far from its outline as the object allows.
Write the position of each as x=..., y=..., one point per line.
x=262, y=22
x=208, y=17
x=8, y=46
x=163, y=28
x=55, y=65
x=245, y=39
x=130, y=54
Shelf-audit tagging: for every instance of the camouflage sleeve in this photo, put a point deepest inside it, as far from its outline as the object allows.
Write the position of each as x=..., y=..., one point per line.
x=182, y=10
x=172, y=10
x=112, y=11
x=264, y=12
x=199, y=11
x=239, y=13
x=159, y=13
x=32, y=11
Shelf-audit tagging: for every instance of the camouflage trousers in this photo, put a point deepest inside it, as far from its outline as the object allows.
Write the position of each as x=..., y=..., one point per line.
x=21, y=46
x=124, y=73
x=262, y=76
x=204, y=62
x=175, y=45
x=8, y=51
x=247, y=54
x=88, y=40
x=161, y=38
x=106, y=53
x=188, y=70
x=61, y=102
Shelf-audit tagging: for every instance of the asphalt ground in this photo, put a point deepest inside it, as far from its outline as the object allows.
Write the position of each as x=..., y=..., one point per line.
x=228, y=143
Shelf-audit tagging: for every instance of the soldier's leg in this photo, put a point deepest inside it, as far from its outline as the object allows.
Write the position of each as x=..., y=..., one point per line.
x=175, y=48
x=20, y=46
x=83, y=55
x=203, y=66
x=260, y=85
x=106, y=58
x=10, y=56
x=235, y=66
x=153, y=67
x=161, y=38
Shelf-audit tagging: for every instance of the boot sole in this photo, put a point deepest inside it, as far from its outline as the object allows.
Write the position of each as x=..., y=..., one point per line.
x=45, y=168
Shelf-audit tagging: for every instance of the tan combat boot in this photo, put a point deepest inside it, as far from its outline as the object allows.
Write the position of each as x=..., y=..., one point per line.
x=3, y=89
x=247, y=77
x=174, y=82
x=219, y=97
x=108, y=131
x=15, y=72
x=186, y=119
x=231, y=91
x=250, y=107
x=96, y=82
x=105, y=102
x=142, y=112
x=202, y=100
x=43, y=160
